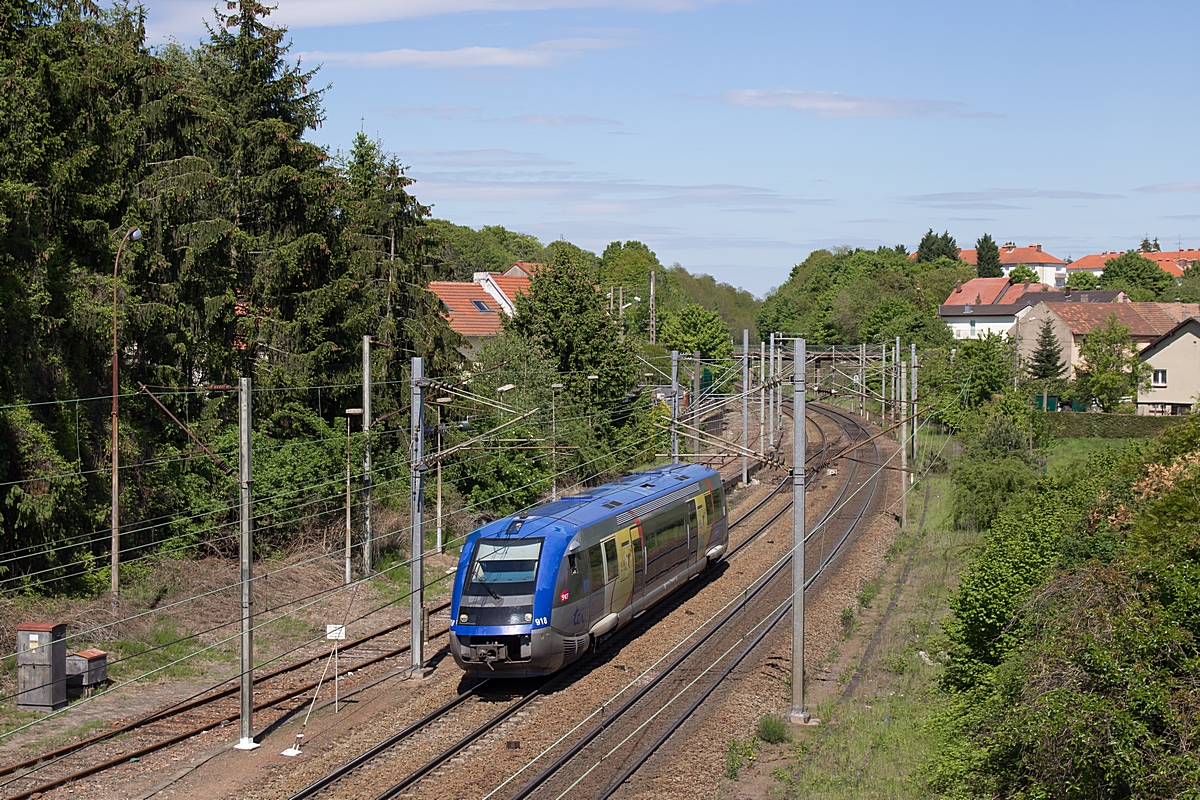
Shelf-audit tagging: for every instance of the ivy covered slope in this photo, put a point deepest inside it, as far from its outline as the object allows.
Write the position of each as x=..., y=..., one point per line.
x=1075, y=641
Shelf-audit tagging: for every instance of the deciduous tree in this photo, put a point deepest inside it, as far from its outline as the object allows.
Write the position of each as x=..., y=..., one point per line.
x=1131, y=271
x=1111, y=369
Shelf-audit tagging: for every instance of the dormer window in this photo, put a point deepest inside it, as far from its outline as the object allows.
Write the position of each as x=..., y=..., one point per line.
x=480, y=305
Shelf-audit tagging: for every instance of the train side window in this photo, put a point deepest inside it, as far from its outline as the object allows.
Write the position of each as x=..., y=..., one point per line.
x=610, y=558
x=708, y=504
x=571, y=582
x=596, y=568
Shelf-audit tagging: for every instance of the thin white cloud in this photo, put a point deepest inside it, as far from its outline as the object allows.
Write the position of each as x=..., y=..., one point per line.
x=596, y=194
x=536, y=56
x=438, y=112
x=1164, y=188
x=185, y=18
x=835, y=105
x=989, y=198
x=558, y=121
x=479, y=158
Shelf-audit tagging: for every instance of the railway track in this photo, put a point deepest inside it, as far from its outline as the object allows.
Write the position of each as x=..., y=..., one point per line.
x=198, y=715
x=372, y=765
x=217, y=708
x=616, y=749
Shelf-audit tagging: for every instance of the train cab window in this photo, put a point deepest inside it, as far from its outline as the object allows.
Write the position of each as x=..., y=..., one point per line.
x=610, y=558
x=720, y=500
x=708, y=504
x=503, y=567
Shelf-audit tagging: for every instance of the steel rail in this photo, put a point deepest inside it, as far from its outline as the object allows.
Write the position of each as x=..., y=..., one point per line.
x=686, y=714
x=377, y=750
x=761, y=584
x=191, y=705
x=374, y=752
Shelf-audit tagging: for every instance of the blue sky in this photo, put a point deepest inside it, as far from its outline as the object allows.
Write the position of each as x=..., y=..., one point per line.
x=736, y=137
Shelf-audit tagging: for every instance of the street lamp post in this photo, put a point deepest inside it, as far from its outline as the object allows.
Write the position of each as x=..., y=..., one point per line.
x=554, y=387
x=591, y=402
x=350, y=412
x=133, y=234
x=441, y=401
x=500, y=390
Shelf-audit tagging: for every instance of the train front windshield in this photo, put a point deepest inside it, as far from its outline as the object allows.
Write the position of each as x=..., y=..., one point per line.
x=503, y=568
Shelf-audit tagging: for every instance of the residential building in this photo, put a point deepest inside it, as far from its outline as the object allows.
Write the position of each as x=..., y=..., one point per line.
x=1051, y=271
x=474, y=308
x=993, y=305
x=1173, y=262
x=1174, y=359
x=1072, y=321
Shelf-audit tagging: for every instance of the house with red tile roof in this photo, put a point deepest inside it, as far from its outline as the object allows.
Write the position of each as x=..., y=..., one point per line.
x=474, y=308
x=1174, y=377
x=1050, y=270
x=1071, y=322
x=1173, y=262
x=994, y=305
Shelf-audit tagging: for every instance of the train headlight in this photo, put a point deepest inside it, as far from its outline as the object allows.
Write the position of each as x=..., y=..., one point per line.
x=529, y=617
x=462, y=618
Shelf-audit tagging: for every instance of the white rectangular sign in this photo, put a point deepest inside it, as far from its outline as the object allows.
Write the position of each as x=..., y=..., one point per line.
x=335, y=631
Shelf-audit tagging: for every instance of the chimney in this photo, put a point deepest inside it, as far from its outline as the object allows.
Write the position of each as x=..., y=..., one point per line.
x=1027, y=284
x=959, y=289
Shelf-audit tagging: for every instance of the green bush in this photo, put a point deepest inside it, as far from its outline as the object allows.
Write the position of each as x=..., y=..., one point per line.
x=773, y=729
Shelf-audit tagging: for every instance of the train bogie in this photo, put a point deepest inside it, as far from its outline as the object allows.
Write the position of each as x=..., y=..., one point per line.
x=535, y=592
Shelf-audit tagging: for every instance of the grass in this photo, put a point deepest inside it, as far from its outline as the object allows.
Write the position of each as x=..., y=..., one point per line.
x=884, y=736
x=159, y=650
x=1064, y=454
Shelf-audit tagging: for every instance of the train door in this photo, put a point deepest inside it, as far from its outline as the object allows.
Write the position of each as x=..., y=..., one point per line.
x=704, y=521
x=638, y=546
x=618, y=559
x=693, y=531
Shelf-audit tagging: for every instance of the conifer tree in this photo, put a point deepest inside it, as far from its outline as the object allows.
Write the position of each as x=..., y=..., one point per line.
x=933, y=247
x=987, y=258
x=1046, y=362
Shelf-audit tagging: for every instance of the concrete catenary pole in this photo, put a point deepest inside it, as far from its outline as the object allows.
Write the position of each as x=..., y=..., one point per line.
x=762, y=394
x=798, y=714
x=417, y=511
x=745, y=405
x=903, y=445
x=771, y=427
x=674, y=406
x=246, y=556
x=697, y=372
x=368, y=540
x=883, y=386
x=897, y=409
x=862, y=380
x=913, y=405
x=653, y=313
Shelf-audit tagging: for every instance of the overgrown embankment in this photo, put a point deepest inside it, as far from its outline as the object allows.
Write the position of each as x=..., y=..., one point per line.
x=1074, y=637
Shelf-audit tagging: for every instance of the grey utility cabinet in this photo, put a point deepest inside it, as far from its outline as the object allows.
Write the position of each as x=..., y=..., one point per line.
x=41, y=666
x=86, y=670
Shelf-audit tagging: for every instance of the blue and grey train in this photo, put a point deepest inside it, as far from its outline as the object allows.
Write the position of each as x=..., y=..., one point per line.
x=536, y=591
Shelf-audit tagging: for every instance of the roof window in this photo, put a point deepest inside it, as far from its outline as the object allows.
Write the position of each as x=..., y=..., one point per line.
x=480, y=305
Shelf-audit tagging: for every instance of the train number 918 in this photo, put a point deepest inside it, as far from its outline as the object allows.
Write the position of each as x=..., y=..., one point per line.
x=541, y=621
